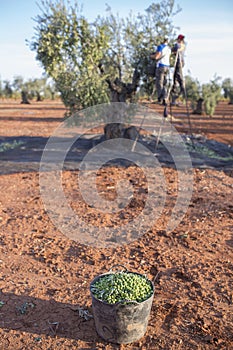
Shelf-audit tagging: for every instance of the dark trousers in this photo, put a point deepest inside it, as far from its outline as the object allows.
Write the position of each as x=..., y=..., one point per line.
x=162, y=82
x=178, y=83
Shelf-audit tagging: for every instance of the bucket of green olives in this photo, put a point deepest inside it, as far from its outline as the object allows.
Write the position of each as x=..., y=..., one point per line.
x=121, y=304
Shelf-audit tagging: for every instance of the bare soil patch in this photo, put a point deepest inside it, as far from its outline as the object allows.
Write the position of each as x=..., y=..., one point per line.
x=45, y=277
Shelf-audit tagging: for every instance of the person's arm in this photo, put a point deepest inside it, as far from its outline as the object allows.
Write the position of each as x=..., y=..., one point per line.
x=156, y=55
x=152, y=55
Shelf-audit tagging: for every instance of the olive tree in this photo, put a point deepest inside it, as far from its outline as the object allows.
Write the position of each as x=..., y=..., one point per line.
x=211, y=93
x=7, y=90
x=227, y=86
x=193, y=93
x=32, y=89
x=92, y=63
x=204, y=97
x=1, y=89
x=70, y=49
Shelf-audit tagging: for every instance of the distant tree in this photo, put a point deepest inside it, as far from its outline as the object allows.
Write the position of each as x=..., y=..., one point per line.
x=21, y=88
x=193, y=91
x=50, y=91
x=227, y=86
x=24, y=96
x=203, y=97
x=211, y=94
x=7, y=89
x=18, y=83
x=1, y=88
x=37, y=88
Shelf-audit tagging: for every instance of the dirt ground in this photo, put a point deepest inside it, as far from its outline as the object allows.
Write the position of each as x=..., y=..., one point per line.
x=44, y=276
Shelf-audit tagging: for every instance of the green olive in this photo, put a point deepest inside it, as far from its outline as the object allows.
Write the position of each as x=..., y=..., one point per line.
x=122, y=287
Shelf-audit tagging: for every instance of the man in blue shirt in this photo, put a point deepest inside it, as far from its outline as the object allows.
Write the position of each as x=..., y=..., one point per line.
x=162, y=56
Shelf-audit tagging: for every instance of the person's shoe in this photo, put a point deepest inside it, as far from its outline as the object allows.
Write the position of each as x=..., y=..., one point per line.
x=164, y=103
x=160, y=99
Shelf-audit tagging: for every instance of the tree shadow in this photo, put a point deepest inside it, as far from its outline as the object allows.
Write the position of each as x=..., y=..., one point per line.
x=37, y=316
x=33, y=119
x=23, y=107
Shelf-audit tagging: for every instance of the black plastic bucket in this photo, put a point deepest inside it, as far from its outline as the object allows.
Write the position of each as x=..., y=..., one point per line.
x=121, y=323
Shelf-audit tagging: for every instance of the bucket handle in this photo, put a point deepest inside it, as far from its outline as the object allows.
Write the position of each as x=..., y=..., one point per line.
x=116, y=265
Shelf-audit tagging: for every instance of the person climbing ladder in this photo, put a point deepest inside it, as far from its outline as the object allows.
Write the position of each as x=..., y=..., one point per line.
x=178, y=86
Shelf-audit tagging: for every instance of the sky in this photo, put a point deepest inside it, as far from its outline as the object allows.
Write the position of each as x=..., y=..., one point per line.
x=206, y=24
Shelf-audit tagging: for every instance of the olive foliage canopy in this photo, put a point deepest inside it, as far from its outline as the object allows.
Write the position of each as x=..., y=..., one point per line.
x=89, y=60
